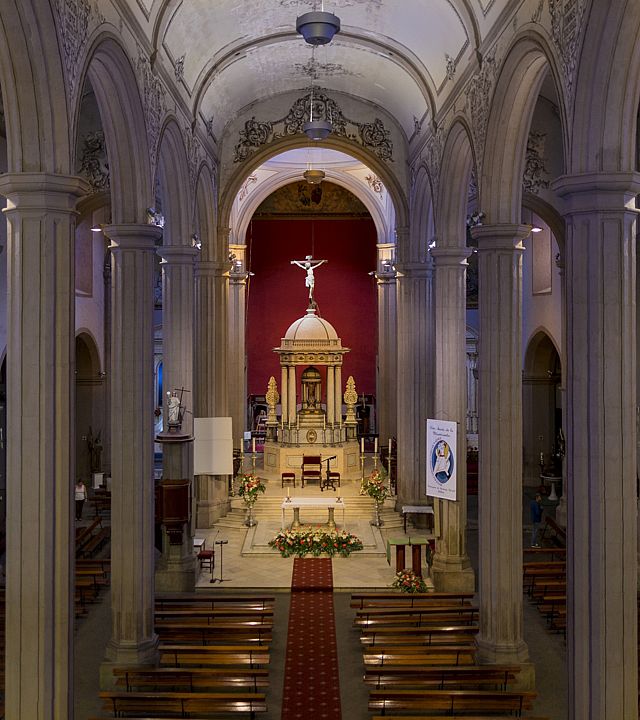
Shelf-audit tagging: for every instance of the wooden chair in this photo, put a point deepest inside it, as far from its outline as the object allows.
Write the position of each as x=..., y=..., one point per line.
x=206, y=557
x=288, y=478
x=311, y=469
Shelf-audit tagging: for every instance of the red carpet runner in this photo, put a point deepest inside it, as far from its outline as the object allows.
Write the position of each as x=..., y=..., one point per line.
x=311, y=684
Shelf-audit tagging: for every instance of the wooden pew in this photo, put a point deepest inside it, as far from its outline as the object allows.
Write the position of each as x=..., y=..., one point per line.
x=419, y=656
x=121, y=701
x=391, y=599
x=205, y=634
x=216, y=615
x=451, y=701
x=417, y=616
x=558, y=534
x=425, y=635
x=214, y=655
x=187, y=600
x=137, y=678
x=437, y=717
x=440, y=676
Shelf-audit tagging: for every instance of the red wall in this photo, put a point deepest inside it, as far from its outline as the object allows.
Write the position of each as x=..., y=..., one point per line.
x=345, y=293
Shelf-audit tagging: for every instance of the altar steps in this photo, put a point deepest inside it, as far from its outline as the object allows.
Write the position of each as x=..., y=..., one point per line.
x=269, y=509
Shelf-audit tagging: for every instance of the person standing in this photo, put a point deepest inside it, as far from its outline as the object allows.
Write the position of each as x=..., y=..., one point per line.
x=81, y=496
x=536, y=519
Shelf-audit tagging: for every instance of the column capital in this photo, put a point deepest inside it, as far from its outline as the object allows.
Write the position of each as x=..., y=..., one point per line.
x=178, y=254
x=211, y=268
x=413, y=270
x=503, y=236
x=450, y=256
x=598, y=192
x=133, y=236
x=43, y=191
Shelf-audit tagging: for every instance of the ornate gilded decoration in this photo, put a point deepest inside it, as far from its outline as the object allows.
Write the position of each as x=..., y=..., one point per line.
x=350, y=399
x=312, y=436
x=302, y=199
x=373, y=136
x=273, y=398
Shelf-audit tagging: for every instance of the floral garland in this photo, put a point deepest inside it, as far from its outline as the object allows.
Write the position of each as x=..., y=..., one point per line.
x=315, y=542
x=408, y=582
x=375, y=486
x=249, y=487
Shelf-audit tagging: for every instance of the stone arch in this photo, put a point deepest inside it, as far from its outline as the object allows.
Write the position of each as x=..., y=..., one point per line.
x=245, y=168
x=455, y=172
x=522, y=74
x=173, y=171
x=422, y=217
x=608, y=91
x=283, y=179
x=33, y=89
x=114, y=82
x=90, y=415
x=205, y=217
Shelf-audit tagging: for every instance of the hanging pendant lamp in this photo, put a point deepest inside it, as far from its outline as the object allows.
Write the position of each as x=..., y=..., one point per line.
x=318, y=28
x=316, y=130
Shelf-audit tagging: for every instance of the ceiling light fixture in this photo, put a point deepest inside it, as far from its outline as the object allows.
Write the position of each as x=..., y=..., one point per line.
x=318, y=28
x=313, y=177
x=316, y=130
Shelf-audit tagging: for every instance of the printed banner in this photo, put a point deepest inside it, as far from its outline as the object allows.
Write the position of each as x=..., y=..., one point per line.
x=441, y=459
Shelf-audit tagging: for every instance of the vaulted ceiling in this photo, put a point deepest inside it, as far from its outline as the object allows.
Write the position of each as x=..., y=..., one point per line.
x=403, y=55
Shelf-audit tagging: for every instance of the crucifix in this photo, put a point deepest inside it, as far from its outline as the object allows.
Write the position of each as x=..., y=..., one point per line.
x=309, y=264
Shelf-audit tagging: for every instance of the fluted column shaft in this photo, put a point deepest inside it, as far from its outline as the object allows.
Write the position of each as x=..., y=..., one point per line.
x=292, y=395
x=414, y=368
x=40, y=461
x=602, y=224
x=387, y=356
x=500, y=442
x=331, y=395
x=177, y=323
x=284, y=390
x=451, y=567
x=133, y=640
x=337, y=406
x=237, y=351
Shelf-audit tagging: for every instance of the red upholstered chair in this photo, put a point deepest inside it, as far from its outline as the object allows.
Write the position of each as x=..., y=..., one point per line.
x=288, y=477
x=311, y=469
x=206, y=557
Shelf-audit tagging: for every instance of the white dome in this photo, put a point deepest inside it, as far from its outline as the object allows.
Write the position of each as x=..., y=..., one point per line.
x=311, y=327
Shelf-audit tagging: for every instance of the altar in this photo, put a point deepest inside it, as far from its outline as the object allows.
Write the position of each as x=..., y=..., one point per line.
x=295, y=504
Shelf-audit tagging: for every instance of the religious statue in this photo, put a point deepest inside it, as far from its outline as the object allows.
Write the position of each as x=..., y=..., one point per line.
x=173, y=409
x=309, y=264
x=94, y=447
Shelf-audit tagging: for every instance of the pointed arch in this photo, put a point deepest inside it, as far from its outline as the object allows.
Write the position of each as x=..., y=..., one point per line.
x=173, y=171
x=205, y=217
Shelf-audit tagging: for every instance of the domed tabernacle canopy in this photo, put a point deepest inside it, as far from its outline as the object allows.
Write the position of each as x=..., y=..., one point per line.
x=310, y=327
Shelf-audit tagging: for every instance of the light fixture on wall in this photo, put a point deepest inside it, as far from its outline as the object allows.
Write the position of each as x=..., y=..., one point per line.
x=536, y=229
x=318, y=27
x=195, y=241
x=97, y=228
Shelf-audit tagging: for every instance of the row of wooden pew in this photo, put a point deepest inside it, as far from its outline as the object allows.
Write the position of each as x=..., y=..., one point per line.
x=214, y=659
x=419, y=657
x=545, y=583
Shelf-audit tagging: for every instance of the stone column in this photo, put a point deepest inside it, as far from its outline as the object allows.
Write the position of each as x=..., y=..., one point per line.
x=237, y=351
x=561, y=508
x=387, y=355
x=452, y=570
x=213, y=337
x=500, y=442
x=284, y=389
x=331, y=395
x=133, y=640
x=293, y=411
x=414, y=379
x=337, y=406
x=176, y=569
x=602, y=610
x=40, y=457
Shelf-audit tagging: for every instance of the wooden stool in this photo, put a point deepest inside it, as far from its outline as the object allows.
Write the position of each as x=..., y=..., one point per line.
x=206, y=557
x=288, y=477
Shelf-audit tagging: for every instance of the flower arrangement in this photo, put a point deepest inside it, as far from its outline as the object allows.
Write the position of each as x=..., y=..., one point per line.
x=249, y=487
x=375, y=486
x=408, y=582
x=315, y=541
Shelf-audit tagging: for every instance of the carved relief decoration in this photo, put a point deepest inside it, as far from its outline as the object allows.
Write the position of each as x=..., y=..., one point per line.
x=373, y=136
x=194, y=155
x=375, y=183
x=76, y=20
x=535, y=168
x=433, y=158
x=566, y=21
x=450, y=65
x=244, y=190
x=479, y=95
x=94, y=165
x=178, y=68
x=154, y=103
x=472, y=194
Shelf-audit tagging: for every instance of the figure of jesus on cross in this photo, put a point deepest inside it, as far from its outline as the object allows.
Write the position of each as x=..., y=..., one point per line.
x=309, y=264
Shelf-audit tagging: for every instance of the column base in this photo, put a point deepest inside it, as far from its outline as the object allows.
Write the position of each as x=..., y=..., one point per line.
x=127, y=653
x=453, y=575
x=490, y=653
x=208, y=512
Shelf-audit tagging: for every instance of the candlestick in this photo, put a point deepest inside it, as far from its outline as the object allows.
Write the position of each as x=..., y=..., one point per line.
x=362, y=445
x=287, y=492
x=253, y=445
x=375, y=446
x=390, y=446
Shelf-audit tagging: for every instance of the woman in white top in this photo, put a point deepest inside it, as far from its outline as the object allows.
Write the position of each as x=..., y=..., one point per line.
x=81, y=496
